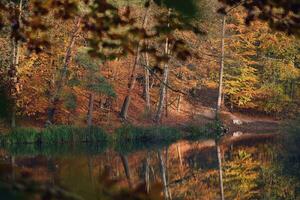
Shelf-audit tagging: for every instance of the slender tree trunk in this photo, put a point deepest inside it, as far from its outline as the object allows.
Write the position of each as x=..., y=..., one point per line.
x=162, y=93
x=292, y=90
x=163, y=175
x=163, y=88
x=127, y=170
x=131, y=84
x=220, y=171
x=147, y=84
x=15, y=66
x=221, y=68
x=61, y=82
x=132, y=80
x=13, y=84
x=166, y=104
x=91, y=109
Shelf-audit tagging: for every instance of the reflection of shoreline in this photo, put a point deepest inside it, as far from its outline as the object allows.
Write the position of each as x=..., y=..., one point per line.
x=185, y=146
x=183, y=162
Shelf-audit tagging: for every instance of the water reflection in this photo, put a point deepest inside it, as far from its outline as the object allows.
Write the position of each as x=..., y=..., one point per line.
x=248, y=168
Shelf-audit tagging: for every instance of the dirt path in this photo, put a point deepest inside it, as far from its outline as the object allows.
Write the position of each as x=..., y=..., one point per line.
x=241, y=122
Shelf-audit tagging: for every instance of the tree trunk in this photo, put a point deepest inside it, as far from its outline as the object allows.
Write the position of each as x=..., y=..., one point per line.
x=163, y=175
x=91, y=109
x=163, y=88
x=221, y=69
x=147, y=84
x=220, y=171
x=166, y=104
x=292, y=90
x=57, y=94
x=127, y=170
x=132, y=80
x=15, y=66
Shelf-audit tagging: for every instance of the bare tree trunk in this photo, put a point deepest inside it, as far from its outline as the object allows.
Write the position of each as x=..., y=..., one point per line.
x=132, y=80
x=131, y=84
x=161, y=102
x=221, y=69
x=162, y=93
x=292, y=90
x=166, y=104
x=56, y=96
x=163, y=88
x=147, y=84
x=15, y=66
x=220, y=171
x=127, y=170
x=91, y=109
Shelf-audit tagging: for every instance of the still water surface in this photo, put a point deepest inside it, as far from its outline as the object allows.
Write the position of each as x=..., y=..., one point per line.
x=253, y=168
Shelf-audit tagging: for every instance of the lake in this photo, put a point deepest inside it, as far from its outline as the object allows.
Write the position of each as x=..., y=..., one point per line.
x=253, y=167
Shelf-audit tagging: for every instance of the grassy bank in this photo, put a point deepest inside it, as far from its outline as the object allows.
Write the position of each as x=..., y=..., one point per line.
x=65, y=139
x=129, y=133
x=62, y=134
x=129, y=138
x=208, y=131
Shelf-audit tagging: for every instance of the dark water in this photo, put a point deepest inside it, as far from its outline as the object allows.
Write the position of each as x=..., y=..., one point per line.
x=253, y=168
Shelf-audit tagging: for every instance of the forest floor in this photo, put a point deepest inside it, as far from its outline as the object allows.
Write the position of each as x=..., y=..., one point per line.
x=197, y=110
x=200, y=110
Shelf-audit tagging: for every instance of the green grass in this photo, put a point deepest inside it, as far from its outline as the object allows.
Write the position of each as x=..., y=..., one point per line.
x=130, y=133
x=22, y=136
x=62, y=139
x=129, y=138
x=208, y=131
x=68, y=134
x=61, y=134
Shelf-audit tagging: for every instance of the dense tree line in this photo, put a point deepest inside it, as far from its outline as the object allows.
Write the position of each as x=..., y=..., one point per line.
x=84, y=61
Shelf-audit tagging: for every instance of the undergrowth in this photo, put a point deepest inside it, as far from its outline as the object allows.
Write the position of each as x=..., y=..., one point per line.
x=94, y=139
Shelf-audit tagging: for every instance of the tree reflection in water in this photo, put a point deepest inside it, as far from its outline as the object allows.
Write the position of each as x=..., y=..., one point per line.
x=185, y=170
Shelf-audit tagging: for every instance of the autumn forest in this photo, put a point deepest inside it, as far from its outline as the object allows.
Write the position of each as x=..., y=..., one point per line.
x=150, y=99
